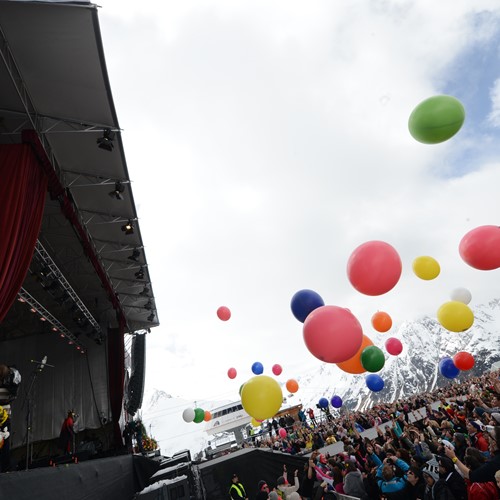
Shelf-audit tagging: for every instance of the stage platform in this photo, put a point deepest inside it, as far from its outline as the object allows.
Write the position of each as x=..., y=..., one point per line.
x=113, y=478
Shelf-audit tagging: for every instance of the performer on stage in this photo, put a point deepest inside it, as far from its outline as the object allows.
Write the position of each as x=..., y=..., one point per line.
x=10, y=378
x=67, y=433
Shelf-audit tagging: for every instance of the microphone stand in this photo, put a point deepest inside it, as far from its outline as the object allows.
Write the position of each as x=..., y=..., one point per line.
x=29, y=397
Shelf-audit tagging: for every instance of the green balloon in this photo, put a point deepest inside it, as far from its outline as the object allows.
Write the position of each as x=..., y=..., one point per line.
x=372, y=359
x=436, y=119
x=199, y=415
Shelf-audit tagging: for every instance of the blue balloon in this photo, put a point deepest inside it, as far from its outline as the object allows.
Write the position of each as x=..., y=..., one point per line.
x=336, y=401
x=304, y=302
x=374, y=382
x=257, y=368
x=323, y=403
x=447, y=368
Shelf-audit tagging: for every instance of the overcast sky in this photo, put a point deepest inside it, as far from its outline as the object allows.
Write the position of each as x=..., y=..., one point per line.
x=266, y=140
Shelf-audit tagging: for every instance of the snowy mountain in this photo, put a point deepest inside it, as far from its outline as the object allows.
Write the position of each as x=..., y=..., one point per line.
x=414, y=370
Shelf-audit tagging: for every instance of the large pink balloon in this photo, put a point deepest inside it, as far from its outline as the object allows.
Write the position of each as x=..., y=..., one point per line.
x=374, y=268
x=480, y=248
x=223, y=313
x=332, y=334
x=393, y=346
x=231, y=373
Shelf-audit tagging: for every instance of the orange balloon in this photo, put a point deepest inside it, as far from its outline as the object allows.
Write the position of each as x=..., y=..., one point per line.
x=353, y=365
x=208, y=416
x=292, y=385
x=381, y=321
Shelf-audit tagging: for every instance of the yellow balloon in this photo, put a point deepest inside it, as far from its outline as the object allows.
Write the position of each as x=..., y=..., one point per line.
x=255, y=423
x=426, y=268
x=261, y=397
x=455, y=316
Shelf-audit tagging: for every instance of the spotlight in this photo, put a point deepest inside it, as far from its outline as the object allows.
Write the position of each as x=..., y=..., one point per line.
x=145, y=291
x=140, y=274
x=151, y=317
x=117, y=192
x=148, y=305
x=106, y=141
x=128, y=228
x=135, y=255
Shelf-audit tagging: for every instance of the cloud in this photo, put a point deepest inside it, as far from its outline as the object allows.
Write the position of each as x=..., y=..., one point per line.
x=494, y=116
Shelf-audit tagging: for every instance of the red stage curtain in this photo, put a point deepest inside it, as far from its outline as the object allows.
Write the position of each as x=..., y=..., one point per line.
x=23, y=187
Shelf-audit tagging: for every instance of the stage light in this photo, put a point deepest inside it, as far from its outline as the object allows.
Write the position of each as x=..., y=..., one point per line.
x=135, y=255
x=148, y=305
x=151, y=317
x=128, y=228
x=54, y=329
x=145, y=291
x=106, y=141
x=117, y=192
x=140, y=274
x=20, y=299
x=42, y=318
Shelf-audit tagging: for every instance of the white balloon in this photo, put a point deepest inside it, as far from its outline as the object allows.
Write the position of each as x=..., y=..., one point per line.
x=188, y=415
x=461, y=295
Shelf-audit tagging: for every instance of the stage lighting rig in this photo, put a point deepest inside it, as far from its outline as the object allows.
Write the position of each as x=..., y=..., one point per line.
x=106, y=141
x=118, y=191
x=128, y=228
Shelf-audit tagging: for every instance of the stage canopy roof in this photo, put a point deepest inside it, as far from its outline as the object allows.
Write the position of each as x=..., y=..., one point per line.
x=53, y=80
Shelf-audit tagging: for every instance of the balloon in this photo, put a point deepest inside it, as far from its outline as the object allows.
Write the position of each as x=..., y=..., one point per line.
x=353, y=365
x=374, y=382
x=336, y=401
x=374, y=268
x=461, y=295
x=323, y=403
x=231, y=373
x=257, y=368
x=332, y=334
x=463, y=360
x=240, y=389
x=282, y=432
x=292, y=385
x=208, y=416
x=480, y=248
x=261, y=397
x=381, y=322
x=372, y=358
x=255, y=422
x=426, y=268
x=455, y=316
x=223, y=313
x=393, y=346
x=188, y=415
x=277, y=370
x=436, y=119
x=199, y=415
x=304, y=302
x=447, y=368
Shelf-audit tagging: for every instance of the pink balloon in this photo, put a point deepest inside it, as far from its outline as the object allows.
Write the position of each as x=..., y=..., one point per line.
x=393, y=346
x=223, y=313
x=277, y=369
x=374, y=268
x=282, y=432
x=480, y=248
x=332, y=334
x=231, y=373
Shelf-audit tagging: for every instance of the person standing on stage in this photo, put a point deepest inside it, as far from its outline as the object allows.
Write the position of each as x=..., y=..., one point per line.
x=67, y=433
x=10, y=378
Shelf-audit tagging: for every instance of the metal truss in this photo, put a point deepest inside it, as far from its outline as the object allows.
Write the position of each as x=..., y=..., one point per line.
x=58, y=275
x=24, y=296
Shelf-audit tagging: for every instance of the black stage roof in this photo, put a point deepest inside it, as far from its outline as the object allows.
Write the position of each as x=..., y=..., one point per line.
x=53, y=80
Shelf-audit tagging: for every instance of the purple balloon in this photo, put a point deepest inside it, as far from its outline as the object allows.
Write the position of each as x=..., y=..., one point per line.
x=336, y=401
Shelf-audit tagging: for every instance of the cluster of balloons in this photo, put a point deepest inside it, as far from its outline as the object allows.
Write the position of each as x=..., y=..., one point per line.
x=451, y=367
x=196, y=415
x=257, y=369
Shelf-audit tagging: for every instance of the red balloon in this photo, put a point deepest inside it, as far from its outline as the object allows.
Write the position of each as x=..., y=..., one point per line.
x=282, y=432
x=223, y=313
x=277, y=369
x=374, y=268
x=381, y=322
x=231, y=373
x=463, y=360
x=393, y=346
x=332, y=334
x=480, y=248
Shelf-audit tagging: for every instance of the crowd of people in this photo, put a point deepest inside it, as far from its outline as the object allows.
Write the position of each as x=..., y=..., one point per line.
x=451, y=453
